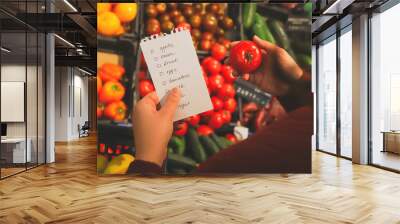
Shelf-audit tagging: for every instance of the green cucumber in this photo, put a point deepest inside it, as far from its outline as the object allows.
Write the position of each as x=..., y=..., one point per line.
x=308, y=8
x=261, y=29
x=177, y=171
x=281, y=37
x=304, y=60
x=249, y=11
x=221, y=144
x=208, y=144
x=178, y=144
x=279, y=33
x=226, y=141
x=195, y=146
x=176, y=161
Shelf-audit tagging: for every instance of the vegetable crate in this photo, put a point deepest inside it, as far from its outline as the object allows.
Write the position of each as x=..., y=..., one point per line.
x=115, y=135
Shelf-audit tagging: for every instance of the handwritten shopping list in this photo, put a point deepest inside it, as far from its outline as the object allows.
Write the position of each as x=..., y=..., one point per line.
x=172, y=62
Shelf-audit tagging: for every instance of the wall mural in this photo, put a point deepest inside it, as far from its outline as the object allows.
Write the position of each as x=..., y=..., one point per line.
x=248, y=64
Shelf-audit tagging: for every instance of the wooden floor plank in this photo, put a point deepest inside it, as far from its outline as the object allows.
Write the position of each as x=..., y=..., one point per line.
x=69, y=191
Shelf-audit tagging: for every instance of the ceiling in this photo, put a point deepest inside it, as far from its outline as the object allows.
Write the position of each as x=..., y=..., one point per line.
x=72, y=20
x=330, y=15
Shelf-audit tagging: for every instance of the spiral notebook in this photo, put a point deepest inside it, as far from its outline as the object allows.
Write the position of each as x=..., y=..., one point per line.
x=172, y=62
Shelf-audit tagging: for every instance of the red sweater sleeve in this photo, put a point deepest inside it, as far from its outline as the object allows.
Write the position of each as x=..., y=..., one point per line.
x=282, y=147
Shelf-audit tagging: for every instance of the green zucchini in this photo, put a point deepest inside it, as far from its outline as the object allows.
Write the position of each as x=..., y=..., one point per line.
x=279, y=33
x=178, y=144
x=176, y=161
x=249, y=11
x=208, y=144
x=261, y=29
x=195, y=146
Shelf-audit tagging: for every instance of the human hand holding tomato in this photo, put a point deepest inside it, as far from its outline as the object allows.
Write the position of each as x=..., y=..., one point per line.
x=145, y=118
x=277, y=69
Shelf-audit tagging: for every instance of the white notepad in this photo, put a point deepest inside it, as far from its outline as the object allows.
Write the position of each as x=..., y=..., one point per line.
x=172, y=62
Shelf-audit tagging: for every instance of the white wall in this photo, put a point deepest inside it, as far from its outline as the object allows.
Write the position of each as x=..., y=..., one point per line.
x=34, y=125
x=71, y=93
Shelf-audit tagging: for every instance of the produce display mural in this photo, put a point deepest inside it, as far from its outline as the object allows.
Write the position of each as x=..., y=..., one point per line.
x=222, y=35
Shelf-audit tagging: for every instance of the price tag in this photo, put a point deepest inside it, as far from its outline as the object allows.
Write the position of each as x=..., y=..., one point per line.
x=251, y=92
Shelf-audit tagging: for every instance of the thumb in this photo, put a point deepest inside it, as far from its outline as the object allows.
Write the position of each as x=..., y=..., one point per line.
x=171, y=103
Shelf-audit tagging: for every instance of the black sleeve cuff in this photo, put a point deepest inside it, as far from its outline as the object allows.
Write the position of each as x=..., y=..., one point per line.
x=144, y=168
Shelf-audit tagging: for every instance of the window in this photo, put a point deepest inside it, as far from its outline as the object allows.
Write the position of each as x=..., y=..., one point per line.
x=346, y=75
x=326, y=93
x=385, y=89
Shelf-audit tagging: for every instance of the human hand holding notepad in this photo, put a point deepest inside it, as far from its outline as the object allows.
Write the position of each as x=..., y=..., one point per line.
x=172, y=62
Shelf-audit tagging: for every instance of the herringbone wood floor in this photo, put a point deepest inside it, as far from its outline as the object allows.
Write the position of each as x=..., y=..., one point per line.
x=69, y=191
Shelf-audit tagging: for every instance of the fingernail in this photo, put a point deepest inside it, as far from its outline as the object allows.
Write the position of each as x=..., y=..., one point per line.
x=176, y=91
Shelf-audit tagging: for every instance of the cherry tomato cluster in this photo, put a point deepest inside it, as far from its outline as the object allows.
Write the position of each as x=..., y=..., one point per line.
x=110, y=92
x=207, y=23
x=112, y=151
x=219, y=78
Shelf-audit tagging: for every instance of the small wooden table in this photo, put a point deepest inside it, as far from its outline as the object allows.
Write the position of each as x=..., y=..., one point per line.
x=391, y=141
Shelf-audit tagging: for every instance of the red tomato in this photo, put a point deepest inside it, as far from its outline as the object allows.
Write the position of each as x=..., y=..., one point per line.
x=115, y=111
x=218, y=51
x=245, y=57
x=226, y=91
x=216, y=121
x=102, y=147
x=112, y=91
x=99, y=84
x=213, y=67
x=141, y=75
x=181, y=129
x=145, y=87
x=184, y=25
x=207, y=113
x=100, y=110
x=193, y=120
x=111, y=72
x=230, y=105
x=206, y=79
x=227, y=73
x=232, y=138
x=207, y=36
x=225, y=42
x=215, y=82
x=205, y=45
x=143, y=64
x=110, y=150
x=204, y=130
x=226, y=116
x=203, y=71
x=205, y=62
x=218, y=104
